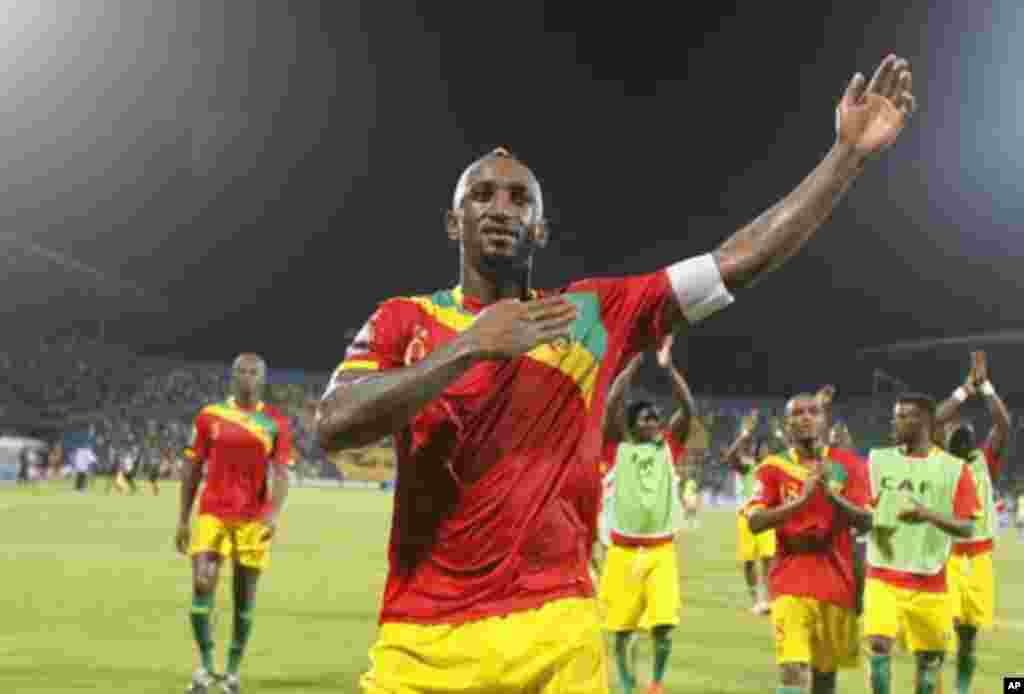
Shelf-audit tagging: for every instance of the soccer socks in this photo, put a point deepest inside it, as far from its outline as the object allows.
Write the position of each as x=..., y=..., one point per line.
x=929, y=667
x=881, y=673
x=966, y=661
x=662, y=649
x=823, y=682
x=622, y=639
x=201, y=607
x=240, y=636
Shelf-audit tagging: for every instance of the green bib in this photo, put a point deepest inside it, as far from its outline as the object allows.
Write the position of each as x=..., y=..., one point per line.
x=896, y=479
x=984, y=526
x=645, y=497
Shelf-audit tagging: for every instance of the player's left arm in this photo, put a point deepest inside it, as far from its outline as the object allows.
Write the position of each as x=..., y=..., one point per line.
x=679, y=424
x=869, y=118
x=999, y=436
x=614, y=428
x=280, y=463
x=854, y=500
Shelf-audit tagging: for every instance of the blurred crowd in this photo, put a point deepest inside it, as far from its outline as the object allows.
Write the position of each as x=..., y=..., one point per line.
x=114, y=401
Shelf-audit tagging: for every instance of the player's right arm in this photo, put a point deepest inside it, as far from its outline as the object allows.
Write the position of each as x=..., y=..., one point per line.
x=766, y=510
x=734, y=455
x=613, y=420
x=374, y=393
x=191, y=474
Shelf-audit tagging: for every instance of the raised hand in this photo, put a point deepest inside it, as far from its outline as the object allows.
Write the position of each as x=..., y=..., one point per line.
x=869, y=118
x=979, y=371
x=509, y=328
x=826, y=395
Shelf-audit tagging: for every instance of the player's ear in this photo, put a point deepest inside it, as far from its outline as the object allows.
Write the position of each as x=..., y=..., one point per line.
x=453, y=224
x=540, y=233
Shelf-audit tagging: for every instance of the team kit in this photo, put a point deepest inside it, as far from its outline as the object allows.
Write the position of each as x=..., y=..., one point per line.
x=536, y=506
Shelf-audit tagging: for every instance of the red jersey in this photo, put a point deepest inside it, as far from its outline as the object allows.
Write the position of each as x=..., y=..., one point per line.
x=237, y=447
x=498, y=484
x=814, y=549
x=994, y=462
x=965, y=506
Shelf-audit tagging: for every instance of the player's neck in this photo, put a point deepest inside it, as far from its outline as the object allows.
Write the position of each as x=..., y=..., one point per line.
x=921, y=446
x=246, y=401
x=809, y=450
x=487, y=289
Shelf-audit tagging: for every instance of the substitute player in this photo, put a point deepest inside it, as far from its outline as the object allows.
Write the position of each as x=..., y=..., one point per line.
x=923, y=496
x=971, y=570
x=244, y=446
x=812, y=495
x=496, y=425
x=640, y=578
x=743, y=456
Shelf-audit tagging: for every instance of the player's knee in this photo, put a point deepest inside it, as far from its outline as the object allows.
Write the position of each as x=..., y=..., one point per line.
x=795, y=675
x=879, y=645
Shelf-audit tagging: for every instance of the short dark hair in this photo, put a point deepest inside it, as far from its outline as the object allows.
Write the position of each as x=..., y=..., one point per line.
x=922, y=401
x=634, y=409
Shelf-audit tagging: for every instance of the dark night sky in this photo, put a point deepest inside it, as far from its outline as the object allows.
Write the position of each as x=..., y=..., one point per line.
x=275, y=169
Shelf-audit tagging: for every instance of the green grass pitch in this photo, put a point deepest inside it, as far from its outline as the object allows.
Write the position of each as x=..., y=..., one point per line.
x=93, y=597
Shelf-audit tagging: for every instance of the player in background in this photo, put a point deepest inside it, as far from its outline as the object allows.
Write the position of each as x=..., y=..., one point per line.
x=691, y=502
x=244, y=446
x=640, y=577
x=839, y=437
x=496, y=425
x=971, y=572
x=1020, y=512
x=743, y=456
x=923, y=497
x=811, y=495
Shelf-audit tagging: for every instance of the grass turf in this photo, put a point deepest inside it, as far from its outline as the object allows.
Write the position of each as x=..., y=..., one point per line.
x=94, y=597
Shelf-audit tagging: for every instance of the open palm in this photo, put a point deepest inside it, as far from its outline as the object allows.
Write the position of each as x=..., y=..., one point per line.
x=870, y=116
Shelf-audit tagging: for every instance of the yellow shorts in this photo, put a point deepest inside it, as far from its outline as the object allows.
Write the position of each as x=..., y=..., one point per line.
x=241, y=538
x=555, y=649
x=751, y=547
x=972, y=589
x=926, y=617
x=640, y=587
x=815, y=633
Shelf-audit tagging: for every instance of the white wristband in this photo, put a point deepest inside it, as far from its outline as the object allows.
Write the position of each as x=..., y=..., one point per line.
x=698, y=286
x=960, y=394
x=987, y=389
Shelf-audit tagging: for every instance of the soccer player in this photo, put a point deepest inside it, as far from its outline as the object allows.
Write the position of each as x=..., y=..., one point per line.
x=640, y=579
x=812, y=495
x=244, y=446
x=496, y=424
x=923, y=497
x=971, y=574
x=743, y=456
x=1020, y=513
